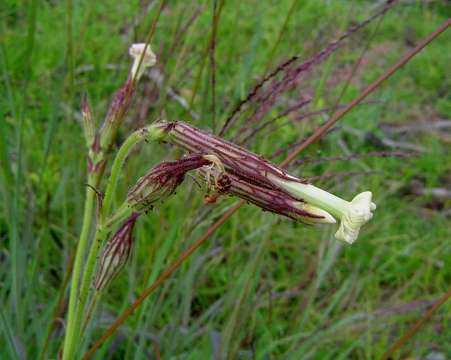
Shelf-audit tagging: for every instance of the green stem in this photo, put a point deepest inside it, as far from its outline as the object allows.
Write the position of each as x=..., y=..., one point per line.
x=100, y=235
x=71, y=329
x=150, y=132
x=96, y=245
x=122, y=154
x=77, y=299
x=104, y=225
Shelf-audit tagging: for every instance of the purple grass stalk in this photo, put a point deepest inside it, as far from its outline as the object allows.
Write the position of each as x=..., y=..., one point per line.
x=292, y=73
x=255, y=129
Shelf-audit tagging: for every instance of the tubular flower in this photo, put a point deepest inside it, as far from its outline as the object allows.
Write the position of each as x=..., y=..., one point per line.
x=352, y=214
x=278, y=202
x=263, y=183
x=115, y=253
x=148, y=59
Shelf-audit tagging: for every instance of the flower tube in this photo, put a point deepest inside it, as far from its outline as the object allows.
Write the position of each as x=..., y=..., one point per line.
x=352, y=214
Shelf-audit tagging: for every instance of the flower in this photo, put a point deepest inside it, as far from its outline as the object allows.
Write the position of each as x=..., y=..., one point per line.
x=266, y=185
x=144, y=51
x=352, y=215
x=277, y=201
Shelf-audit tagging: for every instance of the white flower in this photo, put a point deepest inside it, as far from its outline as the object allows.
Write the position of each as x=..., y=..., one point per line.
x=357, y=213
x=148, y=59
x=352, y=215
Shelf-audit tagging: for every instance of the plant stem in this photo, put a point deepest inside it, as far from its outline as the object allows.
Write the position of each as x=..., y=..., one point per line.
x=71, y=329
x=122, y=154
x=96, y=245
x=150, y=133
x=105, y=224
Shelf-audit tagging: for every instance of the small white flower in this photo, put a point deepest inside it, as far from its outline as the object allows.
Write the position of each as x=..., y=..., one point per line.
x=352, y=215
x=357, y=214
x=148, y=59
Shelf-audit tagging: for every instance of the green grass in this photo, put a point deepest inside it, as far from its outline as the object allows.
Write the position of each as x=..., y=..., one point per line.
x=262, y=287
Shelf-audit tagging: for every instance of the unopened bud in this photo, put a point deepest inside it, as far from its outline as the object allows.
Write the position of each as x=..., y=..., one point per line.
x=115, y=253
x=162, y=181
x=118, y=108
x=88, y=124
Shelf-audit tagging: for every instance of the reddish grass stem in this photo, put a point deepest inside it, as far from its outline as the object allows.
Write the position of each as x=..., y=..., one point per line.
x=403, y=339
x=314, y=137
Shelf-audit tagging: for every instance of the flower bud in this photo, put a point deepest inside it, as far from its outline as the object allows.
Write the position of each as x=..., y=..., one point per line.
x=88, y=124
x=115, y=253
x=162, y=181
x=118, y=108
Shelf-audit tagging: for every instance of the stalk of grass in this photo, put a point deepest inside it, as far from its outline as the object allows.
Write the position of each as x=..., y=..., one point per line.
x=205, y=55
x=71, y=330
x=8, y=335
x=314, y=137
x=414, y=329
x=291, y=73
x=214, y=25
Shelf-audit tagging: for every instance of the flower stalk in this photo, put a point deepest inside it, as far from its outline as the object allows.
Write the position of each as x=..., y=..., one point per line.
x=99, y=143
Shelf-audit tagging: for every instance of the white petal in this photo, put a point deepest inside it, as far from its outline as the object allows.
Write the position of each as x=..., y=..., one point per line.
x=357, y=214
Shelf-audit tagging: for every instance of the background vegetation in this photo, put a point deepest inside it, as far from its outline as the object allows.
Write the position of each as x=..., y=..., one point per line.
x=262, y=287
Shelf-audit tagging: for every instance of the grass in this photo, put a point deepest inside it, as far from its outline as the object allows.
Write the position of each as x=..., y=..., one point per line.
x=262, y=287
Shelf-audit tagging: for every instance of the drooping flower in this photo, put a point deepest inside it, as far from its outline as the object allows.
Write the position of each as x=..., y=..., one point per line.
x=352, y=214
x=258, y=180
x=277, y=201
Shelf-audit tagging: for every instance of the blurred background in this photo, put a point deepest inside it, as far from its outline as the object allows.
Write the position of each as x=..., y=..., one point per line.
x=262, y=287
